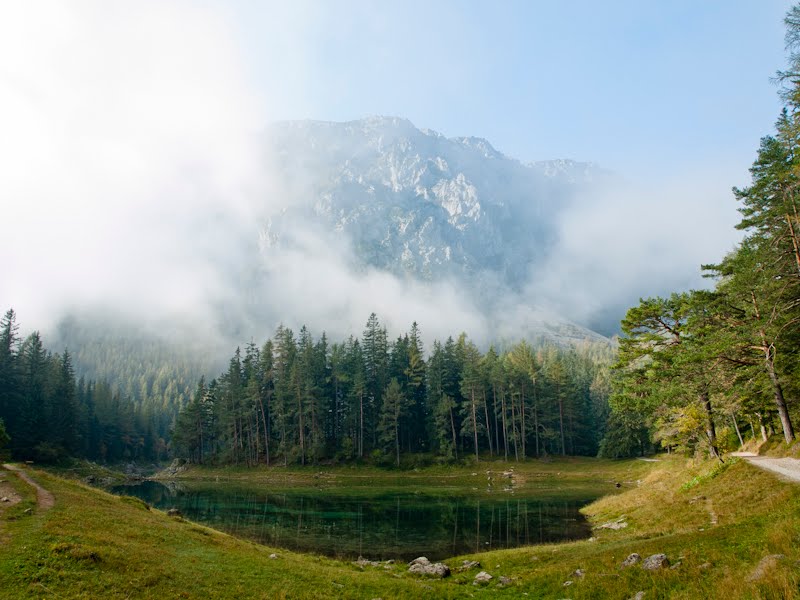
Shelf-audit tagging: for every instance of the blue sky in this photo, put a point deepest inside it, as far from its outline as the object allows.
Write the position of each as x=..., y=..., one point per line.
x=638, y=86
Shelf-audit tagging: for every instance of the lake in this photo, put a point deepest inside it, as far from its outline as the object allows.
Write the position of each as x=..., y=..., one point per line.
x=385, y=525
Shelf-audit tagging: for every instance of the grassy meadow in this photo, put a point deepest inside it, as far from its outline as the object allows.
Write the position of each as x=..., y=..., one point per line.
x=716, y=524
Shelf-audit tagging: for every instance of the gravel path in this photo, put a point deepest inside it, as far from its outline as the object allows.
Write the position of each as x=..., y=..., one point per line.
x=789, y=468
x=44, y=499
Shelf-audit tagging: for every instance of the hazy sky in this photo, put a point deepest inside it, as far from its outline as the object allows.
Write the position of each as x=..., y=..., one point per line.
x=638, y=86
x=131, y=168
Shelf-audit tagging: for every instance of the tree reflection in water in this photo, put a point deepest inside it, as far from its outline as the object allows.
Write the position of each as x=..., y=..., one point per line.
x=379, y=526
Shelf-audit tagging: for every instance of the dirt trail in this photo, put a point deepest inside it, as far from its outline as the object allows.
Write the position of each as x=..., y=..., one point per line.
x=44, y=499
x=789, y=468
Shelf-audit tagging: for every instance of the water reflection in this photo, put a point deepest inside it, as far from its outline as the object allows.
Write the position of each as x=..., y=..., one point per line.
x=379, y=526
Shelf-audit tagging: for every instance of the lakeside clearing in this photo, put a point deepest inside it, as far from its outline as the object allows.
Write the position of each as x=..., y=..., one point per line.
x=733, y=532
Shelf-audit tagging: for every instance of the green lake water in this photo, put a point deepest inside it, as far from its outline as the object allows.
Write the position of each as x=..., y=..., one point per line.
x=376, y=525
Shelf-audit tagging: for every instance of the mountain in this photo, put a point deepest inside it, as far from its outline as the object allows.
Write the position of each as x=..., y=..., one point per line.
x=426, y=207
x=381, y=197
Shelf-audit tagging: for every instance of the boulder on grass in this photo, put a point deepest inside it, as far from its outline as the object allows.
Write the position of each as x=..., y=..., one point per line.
x=655, y=562
x=422, y=566
x=631, y=560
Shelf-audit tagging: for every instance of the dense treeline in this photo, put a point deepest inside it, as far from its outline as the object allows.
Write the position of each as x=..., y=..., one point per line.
x=297, y=399
x=48, y=414
x=707, y=369
x=155, y=371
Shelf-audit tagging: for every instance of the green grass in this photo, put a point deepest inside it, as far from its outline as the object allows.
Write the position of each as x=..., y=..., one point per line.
x=95, y=545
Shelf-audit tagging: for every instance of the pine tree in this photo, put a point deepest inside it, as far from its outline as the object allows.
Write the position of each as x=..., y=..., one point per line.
x=394, y=408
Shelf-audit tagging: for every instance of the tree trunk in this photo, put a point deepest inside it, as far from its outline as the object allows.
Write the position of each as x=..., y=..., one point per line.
x=522, y=420
x=496, y=424
x=536, y=421
x=361, y=430
x=474, y=423
x=738, y=433
x=266, y=429
x=505, y=426
x=769, y=364
x=455, y=437
x=711, y=430
x=761, y=427
x=488, y=426
x=561, y=424
x=780, y=401
x=795, y=244
x=302, y=434
x=514, y=429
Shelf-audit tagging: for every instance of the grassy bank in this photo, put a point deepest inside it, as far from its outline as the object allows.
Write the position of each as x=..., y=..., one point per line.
x=718, y=524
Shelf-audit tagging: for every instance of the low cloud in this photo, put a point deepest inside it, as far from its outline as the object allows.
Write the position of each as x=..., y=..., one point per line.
x=628, y=240
x=134, y=182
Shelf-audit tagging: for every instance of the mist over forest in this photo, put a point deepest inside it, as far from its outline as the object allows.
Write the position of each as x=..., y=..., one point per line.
x=154, y=198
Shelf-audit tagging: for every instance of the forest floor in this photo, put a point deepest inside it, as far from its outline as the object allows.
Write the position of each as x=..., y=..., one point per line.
x=729, y=531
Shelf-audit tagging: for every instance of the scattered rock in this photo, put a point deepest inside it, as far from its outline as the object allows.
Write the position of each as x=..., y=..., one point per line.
x=468, y=564
x=5, y=499
x=90, y=479
x=534, y=558
x=422, y=566
x=578, y=573
x=174, y=512
x=27, y=511
x=614, y=525
x=655, y=562
x=505, y=580
x=365, y=562
x=765, y=564
x=177, y=466
x=631, y=560
x=704, y=566
x=676, y=565
x=567, y=583
x=482, y=577
x=273, y=556
x=637, y=596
